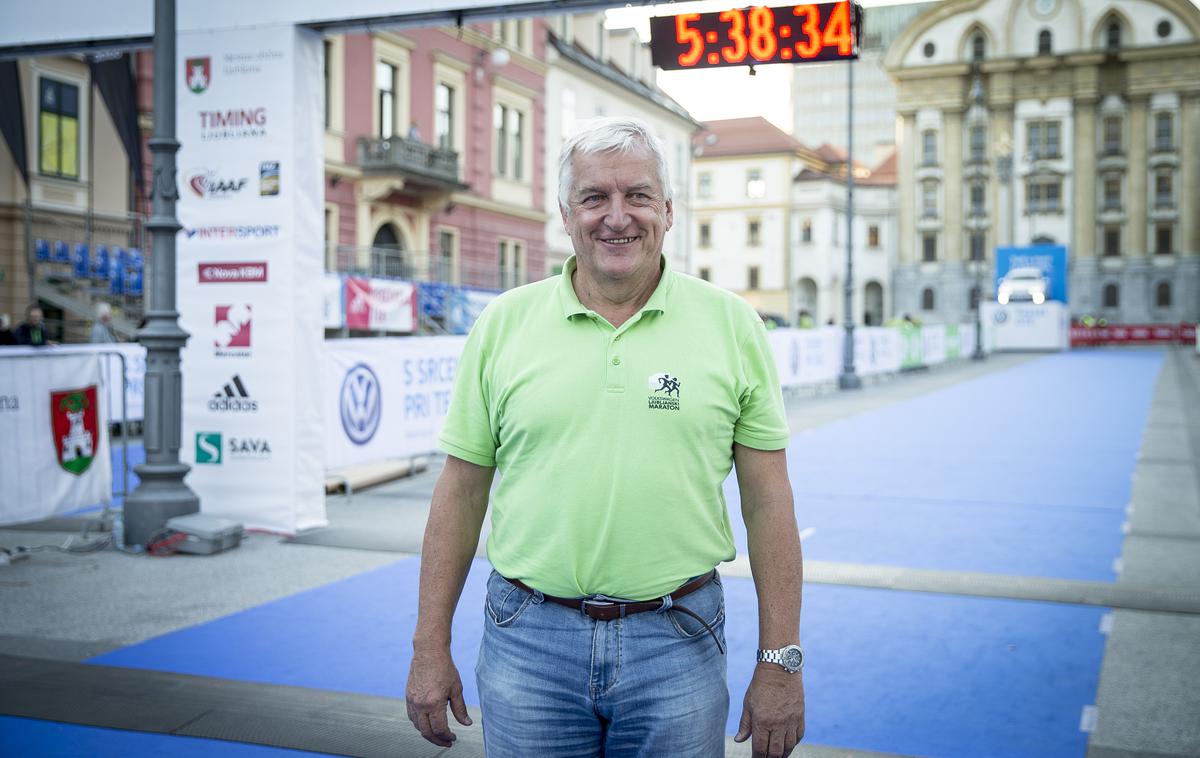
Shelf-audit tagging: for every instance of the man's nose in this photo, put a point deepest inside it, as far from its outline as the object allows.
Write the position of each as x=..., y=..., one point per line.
x=618, y=215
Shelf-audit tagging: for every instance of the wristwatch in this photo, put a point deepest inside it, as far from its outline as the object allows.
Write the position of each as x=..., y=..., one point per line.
x=790, y=657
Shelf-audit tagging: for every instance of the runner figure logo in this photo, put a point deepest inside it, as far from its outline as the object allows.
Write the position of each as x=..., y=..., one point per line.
x=664, y=392
x=75, y=427
x=198, y=73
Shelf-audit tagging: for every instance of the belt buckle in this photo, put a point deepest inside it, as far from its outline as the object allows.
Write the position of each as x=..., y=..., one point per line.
x=604, y=609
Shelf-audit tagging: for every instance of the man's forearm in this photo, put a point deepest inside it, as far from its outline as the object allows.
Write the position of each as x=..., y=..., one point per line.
x=775, y=561
x=451, y=536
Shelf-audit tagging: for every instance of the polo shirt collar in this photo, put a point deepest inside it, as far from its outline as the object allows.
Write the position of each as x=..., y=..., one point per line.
x=570, y=301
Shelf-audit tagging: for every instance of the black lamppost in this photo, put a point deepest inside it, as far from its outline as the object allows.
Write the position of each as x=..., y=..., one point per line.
x=978, y=114
x=848, y=379
x=162, y=493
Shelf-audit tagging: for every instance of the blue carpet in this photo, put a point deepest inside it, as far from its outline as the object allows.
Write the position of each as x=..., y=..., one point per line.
x=49, y=739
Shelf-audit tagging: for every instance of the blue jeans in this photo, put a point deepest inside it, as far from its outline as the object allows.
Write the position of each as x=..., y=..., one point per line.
x=555, y=683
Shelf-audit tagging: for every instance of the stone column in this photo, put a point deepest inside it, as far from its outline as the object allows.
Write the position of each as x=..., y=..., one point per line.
x=1189, y=182
x=1136, y=232
x=952, y=187
x=906, y=190
x=1084, y=182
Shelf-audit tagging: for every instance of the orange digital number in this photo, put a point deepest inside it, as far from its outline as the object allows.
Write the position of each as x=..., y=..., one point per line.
x=837, y=31
x=762, y=33
x=810, y=43
x=686, y=34
x=737, y=35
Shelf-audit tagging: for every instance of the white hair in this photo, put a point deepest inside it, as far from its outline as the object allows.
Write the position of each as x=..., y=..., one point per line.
x=603, y=135
x=103, y=309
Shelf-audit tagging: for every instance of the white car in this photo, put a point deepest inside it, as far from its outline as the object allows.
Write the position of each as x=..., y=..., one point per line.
x=1025, y=283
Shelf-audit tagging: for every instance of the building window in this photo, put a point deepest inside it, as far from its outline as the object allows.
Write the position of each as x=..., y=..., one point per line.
x=1112, y=135
x=929, y=206
x=806, y=230
x=1112, y=192
x=752, y=277
x=977, y=201
x=58, y=127
x=1043, y=194
x=929, y=247
x=929, y=49
x=705, y=274
x=1164, y=132
x=1112, y=241
x=1042, y=139
x=1162, y=295
x=444, y=116
x=1162, y=239
x=755, y=186
x=977, y=47
x=510, y=260
x=1163, y=30
x=976, y=246
x=1112, y=37
x=1045, y=43
x=328, y=46
x=978, y=144
x=873, y=235
x=443, y=265
x=929, y=148
x=927, y=299
x=386, y=83
x=704, y=184
x=509, y=125
x=1163, y=186
x=1112, y=296
x=705, y=234
x=754, y=232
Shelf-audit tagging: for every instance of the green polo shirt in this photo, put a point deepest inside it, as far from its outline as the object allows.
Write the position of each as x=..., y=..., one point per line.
x=613, y=444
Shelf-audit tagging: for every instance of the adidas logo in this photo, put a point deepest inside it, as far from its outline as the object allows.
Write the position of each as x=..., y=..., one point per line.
x=233, y=397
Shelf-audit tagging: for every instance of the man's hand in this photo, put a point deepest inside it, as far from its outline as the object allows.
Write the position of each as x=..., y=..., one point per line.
x=432, y=681
x=773, y=711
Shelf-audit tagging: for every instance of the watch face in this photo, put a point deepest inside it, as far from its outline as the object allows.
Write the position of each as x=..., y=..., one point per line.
x=792, y=658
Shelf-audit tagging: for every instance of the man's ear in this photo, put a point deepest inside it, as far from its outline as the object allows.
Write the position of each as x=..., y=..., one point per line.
x=670, y=215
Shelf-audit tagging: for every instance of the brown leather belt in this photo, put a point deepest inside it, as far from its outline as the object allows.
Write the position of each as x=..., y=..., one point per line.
x=610, y=610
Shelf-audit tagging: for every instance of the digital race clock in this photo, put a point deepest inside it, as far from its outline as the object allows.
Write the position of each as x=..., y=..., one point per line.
x=751, y=36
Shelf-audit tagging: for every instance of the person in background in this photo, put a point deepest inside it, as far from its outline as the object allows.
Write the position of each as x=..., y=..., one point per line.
x=33, y=330
x=6, y=335
x=102, y=331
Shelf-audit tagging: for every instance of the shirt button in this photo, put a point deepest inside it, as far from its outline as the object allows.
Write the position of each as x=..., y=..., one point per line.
x=616, y=360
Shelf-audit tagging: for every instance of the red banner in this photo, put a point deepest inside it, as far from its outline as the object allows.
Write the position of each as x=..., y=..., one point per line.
x=1133, y=334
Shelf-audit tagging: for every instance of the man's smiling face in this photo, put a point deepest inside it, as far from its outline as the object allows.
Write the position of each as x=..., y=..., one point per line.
x=618, y=214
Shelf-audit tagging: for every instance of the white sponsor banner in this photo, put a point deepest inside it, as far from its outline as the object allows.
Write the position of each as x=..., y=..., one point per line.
x=249, y=105
x=876, y=350
x=1025, y=326
x=334, y=314
x=134, y=369
x=385, y=397
x=966, y=340
x=933, y=344
x=380, y=304
x=53, y=434
x=805, y=356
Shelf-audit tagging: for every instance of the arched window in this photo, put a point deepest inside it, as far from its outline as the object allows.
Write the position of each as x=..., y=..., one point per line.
x=1162, y=295
x=1112, y=296
x=927, y=302
x=1112, y=36
x=1045, y=46
x=977, y=47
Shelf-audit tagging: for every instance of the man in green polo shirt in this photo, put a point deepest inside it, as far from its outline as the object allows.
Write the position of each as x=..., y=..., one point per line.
x=614, y=400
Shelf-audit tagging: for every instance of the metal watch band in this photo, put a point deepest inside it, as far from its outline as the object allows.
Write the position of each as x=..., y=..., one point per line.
x=790, y=657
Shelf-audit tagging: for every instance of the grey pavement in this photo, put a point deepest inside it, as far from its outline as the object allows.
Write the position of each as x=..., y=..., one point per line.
x=61, y=609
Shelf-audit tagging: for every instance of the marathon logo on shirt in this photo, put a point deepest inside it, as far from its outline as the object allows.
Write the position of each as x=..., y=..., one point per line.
x=664, y=392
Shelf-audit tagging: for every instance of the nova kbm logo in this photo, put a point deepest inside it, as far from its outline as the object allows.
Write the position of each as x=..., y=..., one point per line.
x=208, y=448
x=361, y=404
x=199, y=74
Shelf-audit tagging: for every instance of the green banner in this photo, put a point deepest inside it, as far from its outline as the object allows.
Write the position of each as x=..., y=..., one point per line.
x=953, y=346
x=912, y=352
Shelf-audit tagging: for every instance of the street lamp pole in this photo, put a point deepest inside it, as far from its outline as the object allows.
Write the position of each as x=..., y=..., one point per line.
x=161, y=494
x=977, y=104
x=848, y=380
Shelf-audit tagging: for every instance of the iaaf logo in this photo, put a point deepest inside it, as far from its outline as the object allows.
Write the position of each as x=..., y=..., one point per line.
x=233, y=124
x=361, y=404
x=198, y=73
x=232, y=273
x=232, y=332
x=233, y=397
x=205, y=184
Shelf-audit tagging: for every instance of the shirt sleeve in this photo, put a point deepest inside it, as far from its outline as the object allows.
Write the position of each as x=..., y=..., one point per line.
x=762, y=424
x=468, y=433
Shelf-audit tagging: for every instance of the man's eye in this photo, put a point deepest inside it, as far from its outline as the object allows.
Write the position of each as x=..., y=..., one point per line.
x=640, y=196
x=593, y=198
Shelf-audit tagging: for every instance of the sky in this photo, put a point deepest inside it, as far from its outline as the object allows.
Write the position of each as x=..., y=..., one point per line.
x=712, y=94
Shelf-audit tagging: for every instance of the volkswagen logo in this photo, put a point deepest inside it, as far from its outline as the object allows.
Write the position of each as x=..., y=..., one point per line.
x=361, y=404
x=1001, y=317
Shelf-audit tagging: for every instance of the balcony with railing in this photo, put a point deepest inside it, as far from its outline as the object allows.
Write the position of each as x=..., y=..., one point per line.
x=411, y=159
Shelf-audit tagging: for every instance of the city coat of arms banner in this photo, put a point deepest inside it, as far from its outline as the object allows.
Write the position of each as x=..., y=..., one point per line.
x=53, y=435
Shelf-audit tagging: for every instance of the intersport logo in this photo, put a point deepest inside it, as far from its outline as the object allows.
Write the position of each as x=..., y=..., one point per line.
x=242, y=232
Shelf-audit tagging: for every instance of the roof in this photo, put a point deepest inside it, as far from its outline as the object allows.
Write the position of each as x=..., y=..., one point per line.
x=883, y=175
x=744, y=136
x=576, y=54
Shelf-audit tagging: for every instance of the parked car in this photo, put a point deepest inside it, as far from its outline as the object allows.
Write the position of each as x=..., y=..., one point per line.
x=1024, y=283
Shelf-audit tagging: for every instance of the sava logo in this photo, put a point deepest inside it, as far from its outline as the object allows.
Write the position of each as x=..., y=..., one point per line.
x=208, y=185
x=212, y=449
x=233, y=397
x=664, y=392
